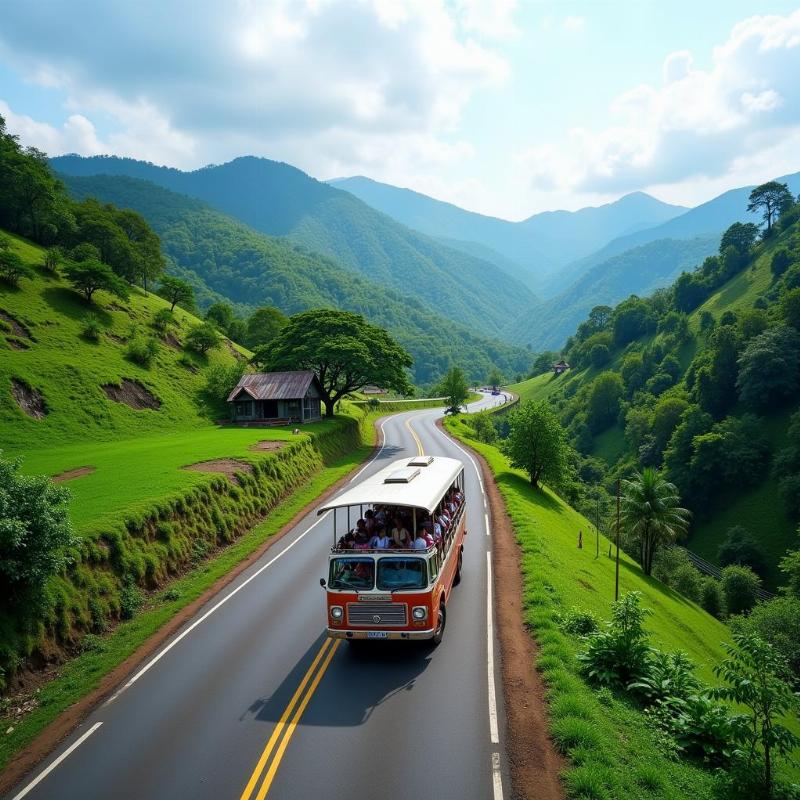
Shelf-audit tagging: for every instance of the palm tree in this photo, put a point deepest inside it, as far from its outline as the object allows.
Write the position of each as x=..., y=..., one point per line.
x=650, y=510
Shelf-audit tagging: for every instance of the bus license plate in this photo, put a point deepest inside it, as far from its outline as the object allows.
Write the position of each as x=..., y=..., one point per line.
x=377, y=635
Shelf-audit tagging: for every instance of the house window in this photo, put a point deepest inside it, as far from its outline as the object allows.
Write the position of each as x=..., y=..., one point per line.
x=243, y=408
x=310, y=407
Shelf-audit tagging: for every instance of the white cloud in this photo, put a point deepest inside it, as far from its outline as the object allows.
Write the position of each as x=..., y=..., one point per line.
x=699, y=125
x=77, y=134
x=319, y=81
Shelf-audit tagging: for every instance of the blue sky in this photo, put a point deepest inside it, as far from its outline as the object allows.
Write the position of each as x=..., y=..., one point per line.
x=507, y=107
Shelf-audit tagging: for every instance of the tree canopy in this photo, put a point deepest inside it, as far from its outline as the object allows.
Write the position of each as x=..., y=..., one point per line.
x=771, y=199
x=90, y=275
x=344, y=351
x=454, y=387
x=176, y=291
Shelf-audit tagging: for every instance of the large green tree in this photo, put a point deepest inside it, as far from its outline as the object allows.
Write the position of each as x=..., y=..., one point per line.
x=604, y=397
x=344, y=351
x=454, y=387
x=771, y=199
x=175, y=291
x=263, y=325
x=769, y=368
x=537, y=443
x=90, y=275
x=650, y=511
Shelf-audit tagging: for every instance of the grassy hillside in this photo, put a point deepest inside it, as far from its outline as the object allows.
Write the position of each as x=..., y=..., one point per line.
x=614, y=749
x=279, y=200
x=661, y=365
x=252, y=269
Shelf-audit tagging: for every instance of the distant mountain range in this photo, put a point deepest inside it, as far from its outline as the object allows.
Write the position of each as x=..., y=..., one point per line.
x=280, y=200
x=539, y=246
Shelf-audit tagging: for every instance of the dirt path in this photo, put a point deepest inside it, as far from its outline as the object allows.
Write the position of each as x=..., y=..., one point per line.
x=224, y=466
x=71, y=474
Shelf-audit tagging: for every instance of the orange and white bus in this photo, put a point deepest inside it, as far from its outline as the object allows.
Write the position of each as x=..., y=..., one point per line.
x=391, y=574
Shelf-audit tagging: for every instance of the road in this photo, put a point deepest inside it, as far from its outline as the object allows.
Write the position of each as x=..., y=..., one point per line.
x=251, y=700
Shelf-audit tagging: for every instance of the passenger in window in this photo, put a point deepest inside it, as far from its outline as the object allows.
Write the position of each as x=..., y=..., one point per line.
x=401, y=538
x=380, y=541
x=421, y=542
x=361, y=540
x=369, y=521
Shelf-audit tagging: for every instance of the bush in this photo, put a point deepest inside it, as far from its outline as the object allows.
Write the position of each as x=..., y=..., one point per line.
x=711, y=597
x=162, y=320
x=12, y=267
x=131, y=599
x=740, y=587
x=618, y=655
x=668, y=561
x=483, y=426
x=669, y=678
x=92, y=328
x=52, y=258
x=578, y=622
x=740, y=547
x=202, y=337
x=221, y=379
x=142, y=350
x=688, y=581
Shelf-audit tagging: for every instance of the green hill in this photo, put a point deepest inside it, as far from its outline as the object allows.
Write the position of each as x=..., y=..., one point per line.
x=280, y=200
x=671, y=368
x=227, y=258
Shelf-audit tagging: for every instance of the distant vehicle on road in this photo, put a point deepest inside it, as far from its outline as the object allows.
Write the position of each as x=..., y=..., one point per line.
x=397, y=587
x=495, y=392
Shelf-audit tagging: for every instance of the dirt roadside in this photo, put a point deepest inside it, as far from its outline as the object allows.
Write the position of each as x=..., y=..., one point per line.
x=61, y=727
x=534, y=763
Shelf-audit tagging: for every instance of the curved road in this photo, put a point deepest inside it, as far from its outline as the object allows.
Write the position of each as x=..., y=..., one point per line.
x=250, y=700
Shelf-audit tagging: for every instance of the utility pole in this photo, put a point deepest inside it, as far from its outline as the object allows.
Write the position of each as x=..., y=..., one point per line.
x=616, y=580
x=597, y=520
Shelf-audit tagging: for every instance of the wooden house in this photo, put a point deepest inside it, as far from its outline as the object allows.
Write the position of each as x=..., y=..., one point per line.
x=560, y=367
x=276, y=398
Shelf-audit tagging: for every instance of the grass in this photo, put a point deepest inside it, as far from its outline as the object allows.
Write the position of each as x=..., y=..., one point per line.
x=610, y=444
x=82, y=674
x=614, y=752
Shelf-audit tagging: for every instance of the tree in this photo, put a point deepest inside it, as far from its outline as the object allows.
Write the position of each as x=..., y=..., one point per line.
x=771, y=199
x=454, y=387
x=604, y=397
x=221, y=314
x=537, y=443
x=740, y=586
x=202, y=337
x=52, y=258
x=790, y=308
x=344, y=351
x=752, y=672
x=650, y=511
x=89, y=276
x=769, y=368
x=263, y=325
x=12, y=267
x=175, y=291
x=781, y=261
x=543, y=363
x=740, y=547
x=495, y=378
x=690, y=291
x=741, y=236
x=715, y=371
x=35, y=531
x=599, y=355
x=632, y=319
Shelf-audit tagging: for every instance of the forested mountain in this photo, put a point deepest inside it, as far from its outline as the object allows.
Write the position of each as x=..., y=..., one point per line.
x=640, y=270
x=700, y=380
x=251, y=269
x=280, y=200
x=540, y=244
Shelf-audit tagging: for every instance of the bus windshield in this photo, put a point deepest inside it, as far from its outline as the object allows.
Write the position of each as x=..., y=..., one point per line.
x=402, y=573
x=352, y=573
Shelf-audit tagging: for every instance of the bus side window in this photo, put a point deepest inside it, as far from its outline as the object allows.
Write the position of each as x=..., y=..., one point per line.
x=434, y=566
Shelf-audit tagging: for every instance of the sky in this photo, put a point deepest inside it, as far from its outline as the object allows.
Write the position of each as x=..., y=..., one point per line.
x=506, y=107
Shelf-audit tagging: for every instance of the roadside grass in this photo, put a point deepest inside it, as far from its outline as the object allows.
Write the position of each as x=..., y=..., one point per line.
x=610, y=444
x=101, y=654
x=131, y=475
x=614, y=750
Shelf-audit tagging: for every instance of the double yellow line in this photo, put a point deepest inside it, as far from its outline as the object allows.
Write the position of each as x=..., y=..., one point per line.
x=268, y=763
x=416, y=438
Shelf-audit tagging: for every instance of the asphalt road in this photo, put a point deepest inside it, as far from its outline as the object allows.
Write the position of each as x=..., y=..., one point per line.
x=251, y=700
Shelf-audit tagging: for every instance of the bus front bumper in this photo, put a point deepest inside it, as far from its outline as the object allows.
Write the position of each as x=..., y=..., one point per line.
x=380, y=636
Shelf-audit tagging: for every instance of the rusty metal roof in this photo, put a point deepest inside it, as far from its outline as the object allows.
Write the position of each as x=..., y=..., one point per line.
x=274, y=385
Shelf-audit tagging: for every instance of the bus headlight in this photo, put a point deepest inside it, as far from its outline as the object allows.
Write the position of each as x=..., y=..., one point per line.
x=419, y=612
x=337, y=613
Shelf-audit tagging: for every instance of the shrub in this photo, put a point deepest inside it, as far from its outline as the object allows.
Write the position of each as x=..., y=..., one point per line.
x=52, y=258
x=688, y=581
x=12, y=267
x=221, y=379
x=711, y=597
x=142, y=350
x=740, y=547
x=578, y=622
x=484, y=428
x=618, y=655
x=162, y=320
x=669, y=677
x=131, y=599
x=92, y=328
x=202, y=337
x=740, y=587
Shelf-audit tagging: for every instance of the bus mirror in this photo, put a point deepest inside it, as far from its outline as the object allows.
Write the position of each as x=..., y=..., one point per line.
x=322, y=582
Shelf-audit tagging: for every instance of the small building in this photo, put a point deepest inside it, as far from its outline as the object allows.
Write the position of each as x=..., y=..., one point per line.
x=373, y=390
x=560, y=367
x=276, y=398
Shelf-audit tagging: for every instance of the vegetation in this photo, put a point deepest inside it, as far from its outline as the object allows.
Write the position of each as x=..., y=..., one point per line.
x=344, y=351
x=454, y=388
x=176, y=291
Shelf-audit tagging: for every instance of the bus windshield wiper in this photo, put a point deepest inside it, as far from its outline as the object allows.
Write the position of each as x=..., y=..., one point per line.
x=347, y=585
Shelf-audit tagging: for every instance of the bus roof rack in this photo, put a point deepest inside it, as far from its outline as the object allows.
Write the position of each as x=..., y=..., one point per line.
x=405, y=475
x=421, y=461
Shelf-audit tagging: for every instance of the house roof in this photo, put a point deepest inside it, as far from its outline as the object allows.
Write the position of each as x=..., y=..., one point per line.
x=274, y=385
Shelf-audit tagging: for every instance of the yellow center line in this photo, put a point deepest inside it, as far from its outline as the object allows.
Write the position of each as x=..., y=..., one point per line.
x=416, y=438
x=251, y=784
x=290, y=729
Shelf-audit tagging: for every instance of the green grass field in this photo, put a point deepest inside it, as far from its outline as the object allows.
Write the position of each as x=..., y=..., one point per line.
x=612, y=747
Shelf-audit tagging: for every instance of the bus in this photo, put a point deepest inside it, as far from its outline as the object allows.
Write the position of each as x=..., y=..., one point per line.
x=396, y=586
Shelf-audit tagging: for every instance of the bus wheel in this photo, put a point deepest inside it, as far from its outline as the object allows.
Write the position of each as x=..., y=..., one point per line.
x=440, y=625
x=457, y=578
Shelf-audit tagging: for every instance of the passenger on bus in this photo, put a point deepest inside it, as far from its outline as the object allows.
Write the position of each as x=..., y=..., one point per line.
x=361, y=540
x=401, y=538
x=347, y=542
x=369, y=521
x=380, y=541
x=421, y=542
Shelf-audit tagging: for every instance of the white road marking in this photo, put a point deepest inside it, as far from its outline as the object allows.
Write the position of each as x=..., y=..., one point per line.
x=495, y=737
x=45, y=772
x=383, y=444
x=210, y=611
x=486, y=520
x=497, y=777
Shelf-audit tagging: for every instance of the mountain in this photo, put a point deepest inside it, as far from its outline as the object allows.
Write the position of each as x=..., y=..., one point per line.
x=540, y=244
x=640, y=270
x=280, y=200
x=227, y=258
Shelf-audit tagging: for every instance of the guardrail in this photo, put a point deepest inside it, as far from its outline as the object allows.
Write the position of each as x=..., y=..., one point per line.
x=716, y=572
